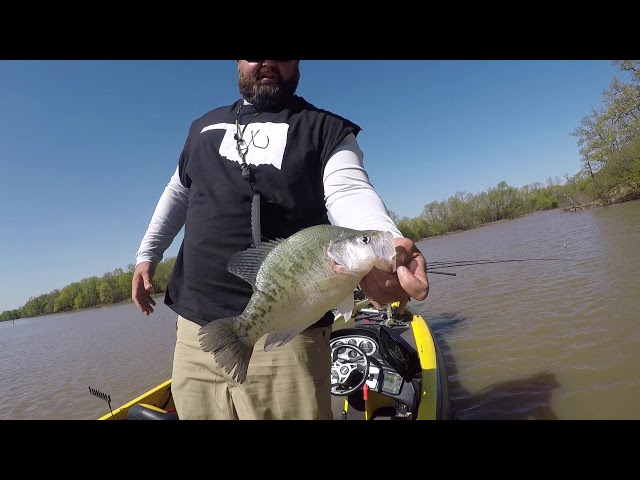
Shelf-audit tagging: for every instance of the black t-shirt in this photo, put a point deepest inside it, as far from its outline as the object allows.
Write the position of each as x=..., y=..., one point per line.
x=287, y=152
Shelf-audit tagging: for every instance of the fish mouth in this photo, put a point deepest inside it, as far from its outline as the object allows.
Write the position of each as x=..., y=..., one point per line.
x=386, y=253
x=359, y=254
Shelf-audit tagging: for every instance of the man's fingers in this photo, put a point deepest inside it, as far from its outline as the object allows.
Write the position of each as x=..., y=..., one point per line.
x=142, y=287
x=148, y=302
x=145, y=305
x=142, y=298
x=413, y=285
x=148, y=284
x=382, y=287
x=401, y=256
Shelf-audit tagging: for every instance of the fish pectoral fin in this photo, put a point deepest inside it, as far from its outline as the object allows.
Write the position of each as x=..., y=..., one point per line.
x=278, y=339
x=345, y=308
x=341, y=269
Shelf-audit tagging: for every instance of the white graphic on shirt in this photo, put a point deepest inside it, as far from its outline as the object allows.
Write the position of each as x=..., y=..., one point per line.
x=264, y=142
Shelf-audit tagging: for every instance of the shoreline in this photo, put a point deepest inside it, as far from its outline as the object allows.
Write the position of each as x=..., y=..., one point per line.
x=485, y=224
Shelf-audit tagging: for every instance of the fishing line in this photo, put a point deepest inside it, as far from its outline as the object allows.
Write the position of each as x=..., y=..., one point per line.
x=464, y=263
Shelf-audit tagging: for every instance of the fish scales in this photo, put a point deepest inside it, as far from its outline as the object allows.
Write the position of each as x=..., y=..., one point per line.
x=295, y=282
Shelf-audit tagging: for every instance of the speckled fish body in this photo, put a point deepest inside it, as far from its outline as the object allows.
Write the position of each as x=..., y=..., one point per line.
x=295, y=281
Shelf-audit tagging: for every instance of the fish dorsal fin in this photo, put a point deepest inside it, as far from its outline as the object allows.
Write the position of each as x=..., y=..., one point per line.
x=247, y=263
x=278, y=339
x=345, y=308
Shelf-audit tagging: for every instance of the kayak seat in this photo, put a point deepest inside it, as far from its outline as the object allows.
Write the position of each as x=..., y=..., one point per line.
x=143, y=411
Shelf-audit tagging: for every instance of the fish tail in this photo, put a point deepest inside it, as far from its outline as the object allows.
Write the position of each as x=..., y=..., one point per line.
x=230, y=349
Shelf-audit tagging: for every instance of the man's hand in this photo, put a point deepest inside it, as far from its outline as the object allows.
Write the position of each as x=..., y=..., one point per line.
x=410, y=279
x=142, y=287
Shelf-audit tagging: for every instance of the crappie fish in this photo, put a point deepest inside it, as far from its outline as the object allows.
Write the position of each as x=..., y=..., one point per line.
x=295, y=281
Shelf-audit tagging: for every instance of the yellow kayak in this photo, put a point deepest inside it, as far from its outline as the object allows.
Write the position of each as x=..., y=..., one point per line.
x=386, y=365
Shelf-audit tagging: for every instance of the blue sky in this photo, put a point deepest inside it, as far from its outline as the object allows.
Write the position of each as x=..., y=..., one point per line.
x=86, y=147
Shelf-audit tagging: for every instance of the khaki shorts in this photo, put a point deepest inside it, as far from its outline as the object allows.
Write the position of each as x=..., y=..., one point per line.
x=291, y=382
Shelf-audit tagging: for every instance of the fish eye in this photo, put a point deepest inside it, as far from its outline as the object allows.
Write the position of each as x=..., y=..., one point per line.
x=365, y=239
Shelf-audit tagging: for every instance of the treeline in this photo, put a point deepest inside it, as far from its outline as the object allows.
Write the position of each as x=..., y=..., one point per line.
x=112, y=287
x=464, y=211
x=609, y=141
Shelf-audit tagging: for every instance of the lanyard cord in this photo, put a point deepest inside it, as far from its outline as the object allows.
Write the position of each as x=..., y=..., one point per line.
x=246, y=174
x=239, y=138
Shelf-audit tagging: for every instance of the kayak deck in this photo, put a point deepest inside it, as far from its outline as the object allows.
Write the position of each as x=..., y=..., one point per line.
x=158, y=399
x=430, y=384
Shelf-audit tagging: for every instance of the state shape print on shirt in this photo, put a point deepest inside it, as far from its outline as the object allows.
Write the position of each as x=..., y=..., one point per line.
x=266, y=142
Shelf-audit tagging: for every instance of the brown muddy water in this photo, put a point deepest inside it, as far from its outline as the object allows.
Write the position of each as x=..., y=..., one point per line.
x=547, y=339
x=542, y=339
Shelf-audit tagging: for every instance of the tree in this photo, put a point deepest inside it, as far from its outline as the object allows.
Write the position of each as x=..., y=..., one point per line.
x=604, y=131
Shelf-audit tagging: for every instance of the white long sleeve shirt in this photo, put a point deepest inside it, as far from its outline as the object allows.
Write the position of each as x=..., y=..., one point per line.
x=350, y=198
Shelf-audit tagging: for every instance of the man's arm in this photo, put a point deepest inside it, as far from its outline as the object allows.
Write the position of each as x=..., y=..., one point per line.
x=353, y=202
x=167, y=220
x=347, y=184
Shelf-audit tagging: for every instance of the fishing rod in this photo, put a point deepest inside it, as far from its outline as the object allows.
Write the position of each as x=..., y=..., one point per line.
x=430, y=270
x=432, y=266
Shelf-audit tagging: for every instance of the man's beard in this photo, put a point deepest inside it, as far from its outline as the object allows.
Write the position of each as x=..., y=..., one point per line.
x=269, y=96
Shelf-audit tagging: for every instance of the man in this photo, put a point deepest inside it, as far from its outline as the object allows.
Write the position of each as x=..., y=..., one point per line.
x=261, y=168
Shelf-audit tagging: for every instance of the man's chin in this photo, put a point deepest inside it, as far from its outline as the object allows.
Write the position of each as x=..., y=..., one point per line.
x=268, y=102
